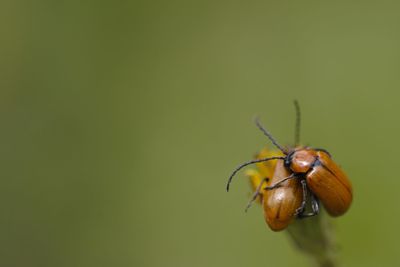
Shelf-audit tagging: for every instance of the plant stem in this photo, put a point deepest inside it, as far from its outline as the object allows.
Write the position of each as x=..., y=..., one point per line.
x=314, y=237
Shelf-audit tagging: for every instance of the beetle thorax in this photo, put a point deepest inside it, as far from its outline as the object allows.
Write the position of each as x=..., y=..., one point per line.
x=302, y=160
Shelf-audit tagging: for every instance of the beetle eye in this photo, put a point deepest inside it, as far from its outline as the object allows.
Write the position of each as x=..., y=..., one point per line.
x=287, y=162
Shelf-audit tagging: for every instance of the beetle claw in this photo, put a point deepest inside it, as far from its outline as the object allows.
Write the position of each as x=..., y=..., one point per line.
x=299, y=211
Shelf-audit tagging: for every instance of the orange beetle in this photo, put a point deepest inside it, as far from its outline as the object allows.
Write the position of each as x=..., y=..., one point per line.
x=324, y=178
x=285, y=202
x=314, y=169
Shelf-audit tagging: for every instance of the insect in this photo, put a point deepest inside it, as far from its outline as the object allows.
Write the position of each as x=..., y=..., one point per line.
x=284, y=203
x=280, y=205
x=313, y=169
x=324, y=178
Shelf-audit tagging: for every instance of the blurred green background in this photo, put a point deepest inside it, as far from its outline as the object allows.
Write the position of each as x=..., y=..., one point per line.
x=121, y=122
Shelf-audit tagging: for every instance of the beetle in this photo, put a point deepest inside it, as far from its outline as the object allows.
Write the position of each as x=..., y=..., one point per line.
x=324, y=178
x=315, y=168
x=282, y=205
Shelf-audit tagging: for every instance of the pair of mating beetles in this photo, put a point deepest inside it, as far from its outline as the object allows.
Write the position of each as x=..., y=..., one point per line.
x=302, y=171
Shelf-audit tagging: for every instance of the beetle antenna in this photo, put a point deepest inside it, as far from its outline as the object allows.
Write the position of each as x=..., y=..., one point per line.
x=298, y=121
x=257, y=121
x=238, y=168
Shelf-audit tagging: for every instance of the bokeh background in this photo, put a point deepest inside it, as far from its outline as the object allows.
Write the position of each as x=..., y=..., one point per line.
x=121, y=121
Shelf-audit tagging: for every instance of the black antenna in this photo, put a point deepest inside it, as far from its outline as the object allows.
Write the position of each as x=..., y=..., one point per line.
x=238, y=168
x=298, y=121
x=256, y=120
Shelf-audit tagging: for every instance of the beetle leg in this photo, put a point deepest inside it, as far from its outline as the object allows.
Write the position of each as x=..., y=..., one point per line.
x=300, y=210
x=256, y=193
x=279, y=183
x=314, y=206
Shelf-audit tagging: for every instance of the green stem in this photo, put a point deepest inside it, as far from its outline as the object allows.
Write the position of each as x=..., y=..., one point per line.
x=314, y=237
